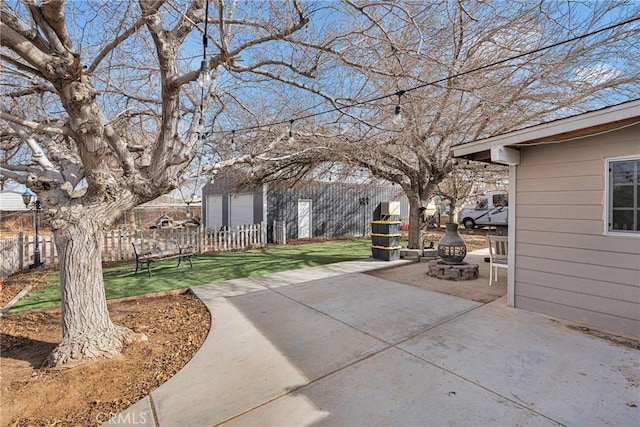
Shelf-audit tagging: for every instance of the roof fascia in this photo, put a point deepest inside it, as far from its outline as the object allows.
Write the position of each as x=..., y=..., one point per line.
x=621, y=112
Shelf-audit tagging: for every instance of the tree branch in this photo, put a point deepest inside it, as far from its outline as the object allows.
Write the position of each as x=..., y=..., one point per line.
x=37, y=154
x=33, y=125
x=22, y=46
x=53, y=12
x=119, y=39
x=20, y=66
x=9, y=18
x=38, y=88
x=52, y=37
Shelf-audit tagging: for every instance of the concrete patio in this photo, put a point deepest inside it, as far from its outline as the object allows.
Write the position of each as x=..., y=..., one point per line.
x=332, y=346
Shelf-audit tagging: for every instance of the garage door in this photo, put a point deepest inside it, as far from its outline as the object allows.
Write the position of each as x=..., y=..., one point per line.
x=214, y=212
x=241, y=209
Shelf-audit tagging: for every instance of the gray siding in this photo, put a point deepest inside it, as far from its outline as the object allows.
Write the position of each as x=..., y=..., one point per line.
x=336, y=210
x=565, y=265
x=224, y=185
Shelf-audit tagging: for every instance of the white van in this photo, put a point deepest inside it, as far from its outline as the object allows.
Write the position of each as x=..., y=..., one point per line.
x=490, y=210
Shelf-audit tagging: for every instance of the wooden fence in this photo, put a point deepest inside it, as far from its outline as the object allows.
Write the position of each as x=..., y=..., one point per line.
x=17, y=253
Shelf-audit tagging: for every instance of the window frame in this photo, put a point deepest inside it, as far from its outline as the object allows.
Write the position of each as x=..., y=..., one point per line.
x=608, y=204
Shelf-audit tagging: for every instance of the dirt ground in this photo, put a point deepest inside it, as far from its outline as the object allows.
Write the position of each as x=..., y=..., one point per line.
x=90, y=393
x=415, y=274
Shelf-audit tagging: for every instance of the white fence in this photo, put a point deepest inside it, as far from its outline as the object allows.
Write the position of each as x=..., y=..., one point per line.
x=279, y=233
x=10, y=256
x=17, y=253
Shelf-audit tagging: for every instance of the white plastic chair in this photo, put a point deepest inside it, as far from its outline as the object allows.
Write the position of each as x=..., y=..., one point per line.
x=498, y=252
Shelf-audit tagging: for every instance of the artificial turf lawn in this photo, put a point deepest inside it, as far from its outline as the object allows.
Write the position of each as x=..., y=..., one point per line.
x=119, y=281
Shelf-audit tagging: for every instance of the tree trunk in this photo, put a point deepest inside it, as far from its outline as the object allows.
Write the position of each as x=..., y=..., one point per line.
x=452, y=211
x=417, y=199
x=415, y=234
x=87, y=330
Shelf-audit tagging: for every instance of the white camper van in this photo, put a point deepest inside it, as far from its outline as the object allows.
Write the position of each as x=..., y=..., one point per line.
x=492, y=209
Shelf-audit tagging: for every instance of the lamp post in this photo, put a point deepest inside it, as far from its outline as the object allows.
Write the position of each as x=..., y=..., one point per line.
x=364, y=201
x=26, y=199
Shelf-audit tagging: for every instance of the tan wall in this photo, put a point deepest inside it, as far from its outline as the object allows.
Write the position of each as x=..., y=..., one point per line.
x=565, y=264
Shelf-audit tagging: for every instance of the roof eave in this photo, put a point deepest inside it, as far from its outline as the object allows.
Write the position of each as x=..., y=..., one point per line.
x=554, y=132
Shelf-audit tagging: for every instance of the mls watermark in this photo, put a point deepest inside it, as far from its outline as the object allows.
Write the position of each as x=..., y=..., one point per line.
x=110, y=418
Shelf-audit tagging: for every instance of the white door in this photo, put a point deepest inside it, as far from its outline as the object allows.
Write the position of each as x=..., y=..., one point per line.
x=304, y=218
x=241, y=210
x=214, y=212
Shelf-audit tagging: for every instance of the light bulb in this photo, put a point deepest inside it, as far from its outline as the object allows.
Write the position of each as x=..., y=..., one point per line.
x=397, y=115
x=233, y=142
x=291, y=138
x=205, y=78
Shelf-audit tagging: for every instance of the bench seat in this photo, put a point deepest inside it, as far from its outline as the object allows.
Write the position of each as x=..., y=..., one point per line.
x=156, y=250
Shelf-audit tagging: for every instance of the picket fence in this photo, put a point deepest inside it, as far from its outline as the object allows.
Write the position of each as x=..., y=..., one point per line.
x=17, y=253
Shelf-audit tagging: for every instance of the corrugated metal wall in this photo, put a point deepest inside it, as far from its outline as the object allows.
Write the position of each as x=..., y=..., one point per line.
x=335, y=207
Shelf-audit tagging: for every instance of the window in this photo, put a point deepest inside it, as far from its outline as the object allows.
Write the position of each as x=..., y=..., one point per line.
x=624, y=192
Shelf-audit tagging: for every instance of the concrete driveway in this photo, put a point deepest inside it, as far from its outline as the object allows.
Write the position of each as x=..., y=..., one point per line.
x=332, y=346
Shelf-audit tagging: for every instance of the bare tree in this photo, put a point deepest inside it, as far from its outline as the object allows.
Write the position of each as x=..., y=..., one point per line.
x=121, y=115
x=423, y=54
x=466, y=181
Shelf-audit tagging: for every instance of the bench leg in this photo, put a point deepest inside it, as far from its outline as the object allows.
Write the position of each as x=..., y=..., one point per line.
x=137, y=263
x=187, y=257
x=149, y=268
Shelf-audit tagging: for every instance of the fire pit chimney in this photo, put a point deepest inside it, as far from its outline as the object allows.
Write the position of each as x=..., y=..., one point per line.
x=451, y=248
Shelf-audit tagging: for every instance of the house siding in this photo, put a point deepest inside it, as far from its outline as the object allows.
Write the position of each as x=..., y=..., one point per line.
x=565, y=264
x=11, y=201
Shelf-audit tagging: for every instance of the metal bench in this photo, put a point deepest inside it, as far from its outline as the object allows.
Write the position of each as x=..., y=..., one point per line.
x=156, y=250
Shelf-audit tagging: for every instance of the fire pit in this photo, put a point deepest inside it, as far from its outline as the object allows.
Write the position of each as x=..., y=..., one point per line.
x=451, y=248
x=451, y=265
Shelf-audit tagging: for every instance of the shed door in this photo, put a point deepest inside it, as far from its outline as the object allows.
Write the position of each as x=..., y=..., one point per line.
x=214, y=212
x=304, y=218
x=241, y=209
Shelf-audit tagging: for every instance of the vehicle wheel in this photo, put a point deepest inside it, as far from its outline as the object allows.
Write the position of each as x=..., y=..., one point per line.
x=469, y=223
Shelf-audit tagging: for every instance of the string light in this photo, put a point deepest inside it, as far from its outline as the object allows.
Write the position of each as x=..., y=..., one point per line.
x=398, y=109
x=205, y=77
x=397, y=115
x=291, y=138
x=205, y=83
x=200, y=127
x=233, y=142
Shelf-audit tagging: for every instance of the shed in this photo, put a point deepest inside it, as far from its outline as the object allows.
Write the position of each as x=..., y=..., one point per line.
x=574, y=217
x=309, y=209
